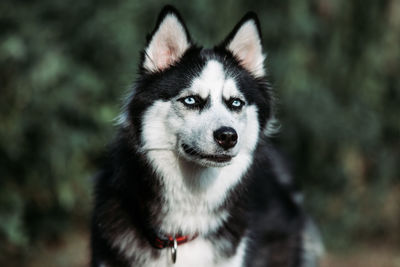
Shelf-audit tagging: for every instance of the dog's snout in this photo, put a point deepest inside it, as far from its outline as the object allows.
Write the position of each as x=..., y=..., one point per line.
x=226, y=137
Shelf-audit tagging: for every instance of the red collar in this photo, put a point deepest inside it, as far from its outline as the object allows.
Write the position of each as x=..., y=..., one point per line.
x=168, y=240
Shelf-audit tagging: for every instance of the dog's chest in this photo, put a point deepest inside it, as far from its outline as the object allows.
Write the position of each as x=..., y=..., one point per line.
x=191, y=203
x=187, y=214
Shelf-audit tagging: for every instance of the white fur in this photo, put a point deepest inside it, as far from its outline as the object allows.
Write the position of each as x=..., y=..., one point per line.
x=246, y=45
x=273, y=127
x=237, y=260
x=312, y=244
x=192, y=193
x=122, y=119
x=213, y=82
x=167, y=45
x=191, y=200
x=196, y=253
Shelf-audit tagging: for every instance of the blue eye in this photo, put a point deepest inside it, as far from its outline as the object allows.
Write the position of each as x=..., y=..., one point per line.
x=193, y=101
x=189, y=100
x=236, y=103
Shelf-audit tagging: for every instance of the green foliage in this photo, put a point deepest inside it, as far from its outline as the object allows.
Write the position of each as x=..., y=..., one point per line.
x=65, y=64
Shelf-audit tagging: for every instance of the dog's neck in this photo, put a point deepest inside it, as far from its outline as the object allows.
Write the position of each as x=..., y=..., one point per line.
x=194, y=197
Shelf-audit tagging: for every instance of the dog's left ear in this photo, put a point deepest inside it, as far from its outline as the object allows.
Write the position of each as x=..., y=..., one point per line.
x=244, y=42
x=168, y=41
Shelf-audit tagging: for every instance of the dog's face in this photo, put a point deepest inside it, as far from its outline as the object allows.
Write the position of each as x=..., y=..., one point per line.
x=211, y=120
x=208, y=106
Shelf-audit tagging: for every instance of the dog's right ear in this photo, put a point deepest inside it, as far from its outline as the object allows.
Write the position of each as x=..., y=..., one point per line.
x=167, y=43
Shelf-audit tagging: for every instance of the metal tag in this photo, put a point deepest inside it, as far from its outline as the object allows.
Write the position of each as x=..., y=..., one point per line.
x=174, y=250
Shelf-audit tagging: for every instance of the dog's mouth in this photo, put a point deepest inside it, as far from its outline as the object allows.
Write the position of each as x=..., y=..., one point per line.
x=217, y=158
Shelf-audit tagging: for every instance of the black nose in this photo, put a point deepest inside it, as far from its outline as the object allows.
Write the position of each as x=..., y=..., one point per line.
x=226, y=137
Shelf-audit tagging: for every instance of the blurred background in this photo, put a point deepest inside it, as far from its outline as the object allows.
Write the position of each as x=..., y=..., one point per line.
x=65, y=65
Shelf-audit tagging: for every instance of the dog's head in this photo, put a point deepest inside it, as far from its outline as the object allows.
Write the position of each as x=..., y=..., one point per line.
x=209, y=106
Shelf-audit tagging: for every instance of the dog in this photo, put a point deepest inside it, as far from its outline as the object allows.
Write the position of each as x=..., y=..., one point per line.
x=191, y=178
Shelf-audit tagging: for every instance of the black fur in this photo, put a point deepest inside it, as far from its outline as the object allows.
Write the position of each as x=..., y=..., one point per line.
x=128, y=193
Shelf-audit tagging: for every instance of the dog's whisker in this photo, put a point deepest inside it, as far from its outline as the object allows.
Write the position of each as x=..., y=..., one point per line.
x=191, y=151
x=145, y=149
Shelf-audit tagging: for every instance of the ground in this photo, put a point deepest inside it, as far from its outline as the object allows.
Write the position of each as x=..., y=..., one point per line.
x=73, y=250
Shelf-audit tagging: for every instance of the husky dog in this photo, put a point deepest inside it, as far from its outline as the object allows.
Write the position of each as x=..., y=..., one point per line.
x=191, y=179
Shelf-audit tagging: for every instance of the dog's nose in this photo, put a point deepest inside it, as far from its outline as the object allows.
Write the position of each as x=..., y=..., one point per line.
x=226, y=137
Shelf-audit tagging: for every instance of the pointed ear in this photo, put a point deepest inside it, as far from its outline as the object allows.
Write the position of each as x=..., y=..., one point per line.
x=245, y=44
x=168, y=41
